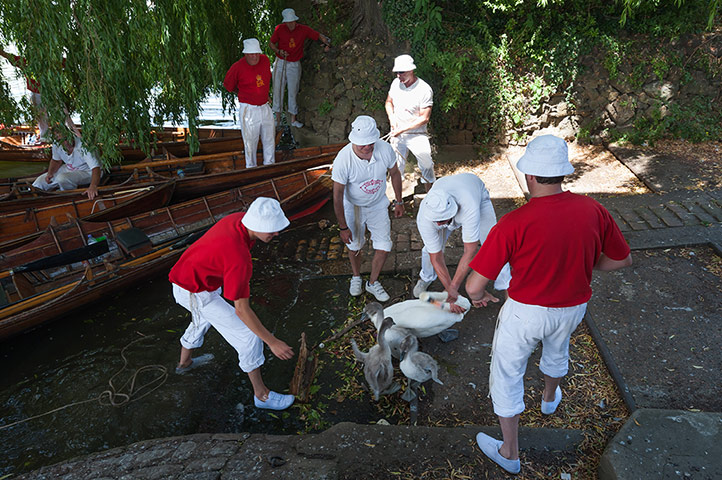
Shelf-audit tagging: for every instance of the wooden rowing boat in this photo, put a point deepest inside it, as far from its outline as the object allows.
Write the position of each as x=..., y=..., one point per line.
x=23, y=226
x=201, y=175
x=139, y=247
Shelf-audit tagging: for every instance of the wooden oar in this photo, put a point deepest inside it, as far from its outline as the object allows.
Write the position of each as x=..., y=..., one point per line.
x=79, y=254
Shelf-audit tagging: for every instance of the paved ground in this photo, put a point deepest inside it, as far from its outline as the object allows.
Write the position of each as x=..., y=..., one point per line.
x=654, y=443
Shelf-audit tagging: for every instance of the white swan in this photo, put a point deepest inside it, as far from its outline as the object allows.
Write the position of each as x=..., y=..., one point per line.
x=427, y=315
x=418, y=367
x=393, y=335
x=378, y=370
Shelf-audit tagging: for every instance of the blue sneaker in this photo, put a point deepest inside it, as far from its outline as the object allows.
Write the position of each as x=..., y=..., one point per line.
x=275, y=401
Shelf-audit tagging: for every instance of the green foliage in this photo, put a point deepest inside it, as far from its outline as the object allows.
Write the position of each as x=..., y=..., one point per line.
x=495, y=61
x=325, y=107
x=112, y=61
x=698, y=121
x=336, y=20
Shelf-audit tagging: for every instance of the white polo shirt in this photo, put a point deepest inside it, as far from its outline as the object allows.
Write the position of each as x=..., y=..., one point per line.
x=80, y=159
x=408, y=102
x=365, y=181
x=469, y=192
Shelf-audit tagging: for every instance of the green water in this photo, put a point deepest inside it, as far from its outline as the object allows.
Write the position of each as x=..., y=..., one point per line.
x=21, y=169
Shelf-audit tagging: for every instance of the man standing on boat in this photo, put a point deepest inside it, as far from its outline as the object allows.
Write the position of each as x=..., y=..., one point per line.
x=251, y=78
x=552, y=243
x=360, y=202
x=408, y=106
x=287, y=41
x=221, y=260
x=71, y=166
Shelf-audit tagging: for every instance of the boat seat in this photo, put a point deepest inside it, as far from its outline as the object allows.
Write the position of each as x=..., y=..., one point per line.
x=134, y=242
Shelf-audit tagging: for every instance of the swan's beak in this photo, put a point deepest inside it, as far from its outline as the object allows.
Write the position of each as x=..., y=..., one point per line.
x=402, y=354
x=364, y=316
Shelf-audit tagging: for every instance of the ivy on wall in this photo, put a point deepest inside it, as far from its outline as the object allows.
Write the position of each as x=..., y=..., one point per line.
x=498, y=60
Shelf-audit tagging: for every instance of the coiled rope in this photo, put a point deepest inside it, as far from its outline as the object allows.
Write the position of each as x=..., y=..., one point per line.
x=117, y=396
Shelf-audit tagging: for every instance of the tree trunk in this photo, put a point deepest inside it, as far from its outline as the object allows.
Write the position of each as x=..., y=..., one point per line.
x=368, y=21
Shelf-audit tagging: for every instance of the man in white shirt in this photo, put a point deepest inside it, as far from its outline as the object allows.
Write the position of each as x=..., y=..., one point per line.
x=457, y=201
x=71, y=166
x=360, y=202
x=408, y=106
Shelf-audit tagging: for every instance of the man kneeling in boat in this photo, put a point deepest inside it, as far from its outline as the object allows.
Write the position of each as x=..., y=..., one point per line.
x=71, y=166
x=222, y=259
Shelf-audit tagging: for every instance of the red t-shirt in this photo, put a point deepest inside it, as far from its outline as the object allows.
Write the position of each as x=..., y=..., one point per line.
x=251, y=81
x=292, y=41
x=552, y=244
x=220, y=258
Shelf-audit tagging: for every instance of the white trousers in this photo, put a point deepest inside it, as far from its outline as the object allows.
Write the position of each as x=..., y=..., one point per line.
x=42, y=115
x=519, y=329
x=289, y=77
x=257, y=121
x=419, y=145
x=375, y=219
x=488, y=220
x=210, y=309
x=64, y=179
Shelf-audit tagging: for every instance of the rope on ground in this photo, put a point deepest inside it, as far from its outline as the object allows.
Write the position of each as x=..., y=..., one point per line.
x=117, y=396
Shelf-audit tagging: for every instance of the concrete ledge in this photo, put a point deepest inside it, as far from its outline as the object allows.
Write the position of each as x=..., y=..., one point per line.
x=665, y=444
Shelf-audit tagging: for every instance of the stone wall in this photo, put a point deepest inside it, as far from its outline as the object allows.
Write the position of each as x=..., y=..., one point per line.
x=350, y=80
x=354, y=78
x=601, y=103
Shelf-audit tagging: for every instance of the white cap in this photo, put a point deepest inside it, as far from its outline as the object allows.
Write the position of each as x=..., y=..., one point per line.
x=546, y=156
x=404, y=63
x=289, y=15
x=439, y=206
x=251, y=45
x=364, y=131
x=265, y=216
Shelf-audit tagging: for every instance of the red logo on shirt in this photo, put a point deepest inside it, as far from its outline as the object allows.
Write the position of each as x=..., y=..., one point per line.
x=372, y=186
x=292, y=43
x=259, y=81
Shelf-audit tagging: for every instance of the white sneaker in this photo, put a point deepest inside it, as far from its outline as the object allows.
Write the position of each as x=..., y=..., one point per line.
x=377, y=291
x=355, y=288
x=420, y=287
x=297, y=124
x=490, y=446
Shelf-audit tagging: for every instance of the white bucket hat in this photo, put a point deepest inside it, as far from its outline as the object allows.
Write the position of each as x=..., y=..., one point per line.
x=364, y=131
x=251, y=45
x=439, y=206
x=289, y=15
x=404, y=63
x=265, y=216
x=546, y=156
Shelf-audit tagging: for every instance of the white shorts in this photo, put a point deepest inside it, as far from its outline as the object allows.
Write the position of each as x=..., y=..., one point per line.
x=375, y=219
x=210, y=309
x=519, y=329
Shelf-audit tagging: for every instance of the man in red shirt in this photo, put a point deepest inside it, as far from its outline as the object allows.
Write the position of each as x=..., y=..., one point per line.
x=221, y=259
x=251, y=78
x=552, y=244
x=35, y=98
x=287, y=41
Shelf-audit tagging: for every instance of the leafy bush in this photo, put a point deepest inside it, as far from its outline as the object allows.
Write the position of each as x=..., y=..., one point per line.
x=496, y=61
